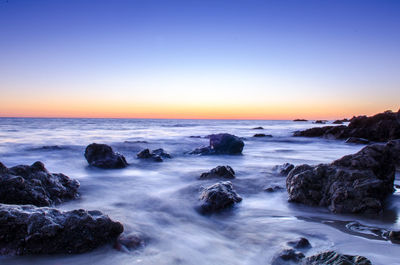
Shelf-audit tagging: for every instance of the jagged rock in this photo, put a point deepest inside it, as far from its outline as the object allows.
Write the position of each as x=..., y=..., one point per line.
x=300, y=243
x=35, y=185
x=218, y=196
x=222, y=143
x=287, y=255
x=262, y=135
x=357, y=183
x=102, y=156
x=157, y=155
x=26, y=230
x=284, y=169
x=334, y=258
x=355, y=140
x=381, y=127
x=219, y=172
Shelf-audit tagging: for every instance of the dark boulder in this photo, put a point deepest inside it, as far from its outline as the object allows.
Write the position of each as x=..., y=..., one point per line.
x=156, y=155
x=128, y=243
x=273, y=188
x=218, y=197
x=300, y=243
x=219, y=172
x=334, y=258
x=355, y=140
x=26, y=230
x=340, y=121
x=258, y=128
x=357, y=183
x=381, y=127
x=262, y=135
x=102, y=156
x=35, y=185
x=320, y=121
x=222, y=143
x=287, y=256
x=300, y=120
x=284, y=169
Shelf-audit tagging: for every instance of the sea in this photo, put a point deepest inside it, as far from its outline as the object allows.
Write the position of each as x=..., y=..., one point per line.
x=158, y=201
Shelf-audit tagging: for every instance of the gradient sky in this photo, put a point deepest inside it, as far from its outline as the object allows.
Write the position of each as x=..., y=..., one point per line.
x=199, y=59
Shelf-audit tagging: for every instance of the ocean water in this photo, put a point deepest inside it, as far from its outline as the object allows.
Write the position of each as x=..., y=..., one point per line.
x=158, y=200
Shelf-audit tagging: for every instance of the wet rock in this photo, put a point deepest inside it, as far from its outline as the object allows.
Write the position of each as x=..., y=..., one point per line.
x=300, y=120
x=218, y=196
x=219, y=172
x=102, y=156
x=381, y=127
x=320, y=121
x=284, y=169
x=274, y=189
x=300, y=243
x=128, y=243
x=27, y=229
x=262, y=135
x=258, y=128
x=357, y=183
x=340, y=121
x=394, y=237
x=334, y=258
x=222, y=143
x=35, y=185
x=287, y=256
x=156, y=155
x=355, y=140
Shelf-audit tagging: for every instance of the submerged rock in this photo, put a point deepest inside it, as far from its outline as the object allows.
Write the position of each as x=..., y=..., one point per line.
x=381, y=127
x=357, y=183
x=300, y=243
x=35, y=185
x=355, y=140
x=218, y=196
x=102, y=156
x=320, y=121
x=222, y=143
x=219, y=172
x=340, y=121
x=300, y=120
x=273, y=188
x=31, y=230
x=258, y=128
x=128, y=243
x=284, y=169
x=334, y=258
x=157, y=155
x=262, y=135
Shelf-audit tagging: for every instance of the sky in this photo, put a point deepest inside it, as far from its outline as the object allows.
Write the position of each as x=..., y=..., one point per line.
x=219, y=59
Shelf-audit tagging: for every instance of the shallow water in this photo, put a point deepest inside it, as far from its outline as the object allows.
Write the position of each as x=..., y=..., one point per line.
x=158, y=200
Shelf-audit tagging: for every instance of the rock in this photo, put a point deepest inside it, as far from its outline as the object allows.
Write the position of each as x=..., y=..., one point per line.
x=287, y=255
x=334, y=258
x=222, y=143
x=320, y=121
x=355, y=140
x=157, y=155
x=128, y=243
x=300, y=120
x=219, y=172
x=262, y=135
x=273, y=189
x=27, y=230
x=102, y=156
x=357, y=183
x=394, y=237
x=258, y=128
x=218, y=197
x=35, y=185
x=284, y=169
x=340, y=121
x=300, y=243
x=381, y=127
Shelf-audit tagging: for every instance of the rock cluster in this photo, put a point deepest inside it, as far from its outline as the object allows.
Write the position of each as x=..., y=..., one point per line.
x=34, y=185
x=357, y=183
x=334, y=258
x=381, y=127
x=103, y=156
x=156, y=155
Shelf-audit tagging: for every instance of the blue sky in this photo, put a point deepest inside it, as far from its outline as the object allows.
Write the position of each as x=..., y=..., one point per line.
x=244, y=59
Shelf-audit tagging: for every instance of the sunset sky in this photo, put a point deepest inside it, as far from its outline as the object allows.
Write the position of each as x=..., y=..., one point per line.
x=243, y=59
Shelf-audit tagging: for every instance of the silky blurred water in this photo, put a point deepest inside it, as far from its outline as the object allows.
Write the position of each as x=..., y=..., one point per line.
x=157, y=200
